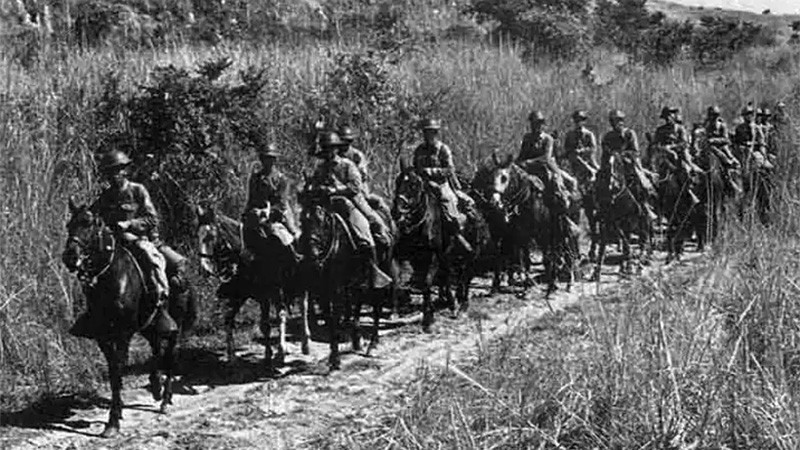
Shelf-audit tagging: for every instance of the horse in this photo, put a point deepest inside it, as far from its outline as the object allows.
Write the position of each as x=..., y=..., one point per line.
x=333, y=272
x=272, y=279
x=118, y=296
x=621, y=211
x=712, y=191
x=424, y=242
x=520, y=196
x=676, y=200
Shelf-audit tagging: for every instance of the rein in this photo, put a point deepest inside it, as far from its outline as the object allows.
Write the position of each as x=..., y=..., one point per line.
x=419, y=209
x=520, y=196
x=330, y=220
x=84, y=271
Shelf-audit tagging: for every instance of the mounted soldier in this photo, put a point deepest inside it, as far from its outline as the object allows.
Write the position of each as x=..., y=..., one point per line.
x=580, y=146
x=347, y=150
x=536, y=157
x=433, y=160
x=339, y=177
x=126, y=207
x=750, y=143
x=670, y=138
x=669, y=150
x=718, y=139
x=267, y=212
x=621, y=141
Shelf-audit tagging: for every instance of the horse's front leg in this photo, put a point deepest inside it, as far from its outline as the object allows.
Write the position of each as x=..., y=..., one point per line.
x=169, y=370
x=156, y=362
x=113, y=352
x=283, y=316
x=333, y=301
x=306, y=349
x=266, y=331
x=232, y=309
x=355, y=303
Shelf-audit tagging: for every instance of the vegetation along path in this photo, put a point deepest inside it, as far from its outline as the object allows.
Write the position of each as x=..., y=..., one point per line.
x=222, y=405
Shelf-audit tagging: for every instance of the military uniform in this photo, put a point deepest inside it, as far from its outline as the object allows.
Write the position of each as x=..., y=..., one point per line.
x=337, y=176
x=130, y=203
x=718, y=139
x=621, y=142
x=536, y=157
x=750, y=145
x=268, y=190
x=580, y=146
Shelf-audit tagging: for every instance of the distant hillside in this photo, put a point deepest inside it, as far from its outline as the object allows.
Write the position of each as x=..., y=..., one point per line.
x=781, y=23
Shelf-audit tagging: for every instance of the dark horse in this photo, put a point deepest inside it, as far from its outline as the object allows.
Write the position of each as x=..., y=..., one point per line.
x=117, y=294
x=712, y=190
x=520, y=197
x=676, y=199
x=621, y=211
x=333, y=272
x=424, y=242
x=272, y=280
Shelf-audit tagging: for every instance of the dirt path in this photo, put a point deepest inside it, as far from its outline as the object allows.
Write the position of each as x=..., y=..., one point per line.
x=223, y=406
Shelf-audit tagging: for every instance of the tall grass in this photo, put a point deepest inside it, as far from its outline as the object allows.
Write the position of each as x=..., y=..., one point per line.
x=483, y=91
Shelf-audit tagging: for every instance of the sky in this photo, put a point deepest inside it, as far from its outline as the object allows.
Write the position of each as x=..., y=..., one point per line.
x=776, y=6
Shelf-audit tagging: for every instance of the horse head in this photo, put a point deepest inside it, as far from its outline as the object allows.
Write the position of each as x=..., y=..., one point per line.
x=89, y=241
x=318, y=233
x=219, y=242
x=501, y=178
x=410, y=199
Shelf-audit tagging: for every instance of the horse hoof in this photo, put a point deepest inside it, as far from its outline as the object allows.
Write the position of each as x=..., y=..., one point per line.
x=372, y=347
x=156, y=387
x=109, y=432
x=164, y=409
x=306, y=349
x=334, y=364
x=280, y=359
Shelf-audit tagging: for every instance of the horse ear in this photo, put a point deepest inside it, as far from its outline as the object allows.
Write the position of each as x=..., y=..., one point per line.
x=509, y=160
x=555, y=134
x=496, y=158
x=72, y=206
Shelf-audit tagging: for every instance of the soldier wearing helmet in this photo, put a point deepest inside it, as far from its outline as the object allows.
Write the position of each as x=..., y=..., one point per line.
x=580, y=146
x=669, y=137
x=267, y=211
x=749, y=137
x=126, y=207
x=622, y=141
x=536, y=157
x=433, y=160
x=337, y=176
x=718, y=139
x=350, y=152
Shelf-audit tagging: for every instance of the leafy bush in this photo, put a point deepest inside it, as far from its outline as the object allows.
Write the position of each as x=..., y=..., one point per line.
x=718, y=39
x=631, y=27
x=175, y=128
x=559, y=27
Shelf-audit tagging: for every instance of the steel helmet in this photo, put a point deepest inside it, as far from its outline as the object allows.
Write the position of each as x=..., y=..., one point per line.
x=615, y=115
x=113, y=159
x=330, y=139
x=346, y=134
x=713, y=111
x=430, y=124
x=579, y=115
x=536, y=116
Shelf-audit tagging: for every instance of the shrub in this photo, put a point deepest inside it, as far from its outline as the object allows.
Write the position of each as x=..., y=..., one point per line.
x=559, y=27
x=717, y=39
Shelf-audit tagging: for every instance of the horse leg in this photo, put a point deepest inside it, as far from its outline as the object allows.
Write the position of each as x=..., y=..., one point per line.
x=305, y=347
x=283, y=316
x=112, y=351
x=427, y=311
x=169, y=370
x=355, y=312
x=233, y=307
x=266, y=332
x=377, y=307
x=334, y=302
x=601, y=251
x=157, y=364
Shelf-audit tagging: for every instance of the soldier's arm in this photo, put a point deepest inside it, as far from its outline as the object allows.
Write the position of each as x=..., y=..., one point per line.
x=147, y=218
x=523, y=150
x=280, y=201
x=446, y=165
x=591, y=151
x=633, y=142
x=251, y=182
x=352, y=184
x=549, y=143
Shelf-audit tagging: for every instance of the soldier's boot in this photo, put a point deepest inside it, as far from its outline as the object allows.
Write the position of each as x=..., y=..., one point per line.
x=462, y=242
x=377, y=278
x=730, y=181
x=163, y=322
x=693, y=198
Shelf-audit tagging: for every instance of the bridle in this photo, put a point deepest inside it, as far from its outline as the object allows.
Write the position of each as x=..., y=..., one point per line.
x=84, y=263
x=519, y=196
x=330, y=248
x=418, y=210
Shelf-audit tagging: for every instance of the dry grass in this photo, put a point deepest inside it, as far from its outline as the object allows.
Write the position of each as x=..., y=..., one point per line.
x=485, y=92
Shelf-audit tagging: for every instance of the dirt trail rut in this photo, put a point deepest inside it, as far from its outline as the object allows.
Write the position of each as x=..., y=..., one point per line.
x=219, y=405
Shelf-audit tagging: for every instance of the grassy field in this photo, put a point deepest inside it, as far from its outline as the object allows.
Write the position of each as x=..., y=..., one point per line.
x=481, y=91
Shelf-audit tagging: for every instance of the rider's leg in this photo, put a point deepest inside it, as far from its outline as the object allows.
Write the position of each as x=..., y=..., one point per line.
x=454, y=219
x=365, y=247
x=157, y=272
x=376, y=224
